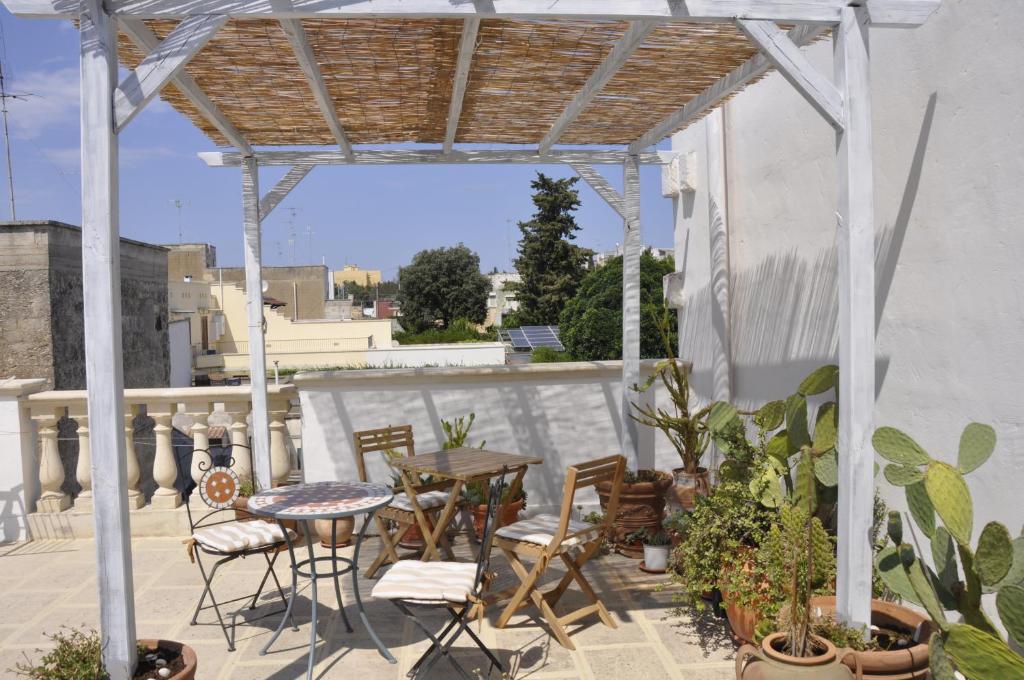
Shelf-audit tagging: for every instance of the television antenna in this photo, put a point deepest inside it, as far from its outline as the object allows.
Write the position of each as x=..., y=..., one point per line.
x=4, y=96
x=292, y=212
x=309, y=241
x=179, y=204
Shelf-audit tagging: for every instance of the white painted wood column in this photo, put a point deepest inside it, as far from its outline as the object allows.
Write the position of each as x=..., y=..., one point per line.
x=254, y=299
x=856, y=318
x=101, y=285
x=632, y=244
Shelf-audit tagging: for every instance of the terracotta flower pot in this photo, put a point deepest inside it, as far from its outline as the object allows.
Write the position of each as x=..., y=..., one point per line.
x=771, y=663
x=742, y=620
x=910, y=663
x=509, y=514
x=641, y=506
x=188, y=656
x=687, y=486
x=241, y=506
x=343, y=537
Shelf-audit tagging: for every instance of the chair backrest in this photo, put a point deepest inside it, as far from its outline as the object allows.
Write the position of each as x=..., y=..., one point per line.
x=490, y=526
x=218, y=487
x=608, y=469
x=384, y=439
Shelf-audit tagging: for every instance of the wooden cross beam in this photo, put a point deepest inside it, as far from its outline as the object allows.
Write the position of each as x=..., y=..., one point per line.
x=467, y=44
x=231, y=159
x=284, y=187
x=161, y=65
x=599, y=184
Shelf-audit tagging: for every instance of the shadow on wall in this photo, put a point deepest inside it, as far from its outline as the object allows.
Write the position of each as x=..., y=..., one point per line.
x=784, y=310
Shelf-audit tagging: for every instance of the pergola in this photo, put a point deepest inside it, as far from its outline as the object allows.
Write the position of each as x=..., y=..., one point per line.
x=611, y=79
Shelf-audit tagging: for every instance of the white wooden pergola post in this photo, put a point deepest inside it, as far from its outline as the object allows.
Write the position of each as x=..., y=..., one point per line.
x=856, y=246
x=631, y=247
x=254, y=302
x=101, y=288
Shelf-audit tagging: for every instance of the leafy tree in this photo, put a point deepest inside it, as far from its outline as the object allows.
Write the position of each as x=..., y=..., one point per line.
x=550, y=265
x=443, y=285
x=591, y=325
x=364, y=296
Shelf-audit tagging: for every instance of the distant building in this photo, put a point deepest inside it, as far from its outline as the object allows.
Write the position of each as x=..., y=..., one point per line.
x=42, y=332
x=350, y=273
x=599, y=259
x=501, y=299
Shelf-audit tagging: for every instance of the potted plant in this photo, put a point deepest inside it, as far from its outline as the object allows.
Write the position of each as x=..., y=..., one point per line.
x=656, y=548
x=476, y=496
x=76, y=655
x=641, y=506
x=686, y=429
x=675, y=526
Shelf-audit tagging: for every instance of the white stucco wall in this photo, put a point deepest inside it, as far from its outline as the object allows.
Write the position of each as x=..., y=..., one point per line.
x=563, y=413
x=949, y=164
x=450, y=354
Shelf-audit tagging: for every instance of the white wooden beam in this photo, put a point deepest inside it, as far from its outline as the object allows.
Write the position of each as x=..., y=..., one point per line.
x=104, y=376
x=284, y=187
x=467, y=45
x=415, y=156
x=813, y=11
x=794, y=67
x=603, y=188
x=254, y=302
x=856, y=255
x=145, y=40
x=311, y=69
x=718, y=91
x=632, y=245
x=619, y=55
x=162, y=64
x=898, y=13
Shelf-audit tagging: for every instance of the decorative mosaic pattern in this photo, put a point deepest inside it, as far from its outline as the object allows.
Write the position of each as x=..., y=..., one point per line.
x=320, y=500
x=219, y=487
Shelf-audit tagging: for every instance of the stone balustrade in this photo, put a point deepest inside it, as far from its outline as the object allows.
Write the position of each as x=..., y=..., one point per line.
x=50, y=488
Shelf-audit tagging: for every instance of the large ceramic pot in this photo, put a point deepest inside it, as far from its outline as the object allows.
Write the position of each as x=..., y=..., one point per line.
x=188, y=656
x=641, y=506
x=509, y=514
x=771, y=663
x=343, y=535
x=688, y=485
x=742, y=620
x=910, y=663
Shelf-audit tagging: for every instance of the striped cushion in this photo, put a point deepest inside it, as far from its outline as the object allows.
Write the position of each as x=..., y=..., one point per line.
x=233, y=537
x=427, y=581
x=541, y=529
x=427, y=500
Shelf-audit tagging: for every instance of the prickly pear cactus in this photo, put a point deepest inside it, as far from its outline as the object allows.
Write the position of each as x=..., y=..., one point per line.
x=951, y=498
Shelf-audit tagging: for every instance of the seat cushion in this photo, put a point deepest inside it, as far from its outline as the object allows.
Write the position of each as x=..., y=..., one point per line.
x=542, y=528
x=427, y=581
x=231, y=537
x=427, y=500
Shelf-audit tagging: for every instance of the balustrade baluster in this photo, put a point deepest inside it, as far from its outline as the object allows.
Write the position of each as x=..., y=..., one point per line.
x=135, y=498
x=165, y=470
x=83, y=470
x=280, y=461
x=51, y=469
x=240, y=451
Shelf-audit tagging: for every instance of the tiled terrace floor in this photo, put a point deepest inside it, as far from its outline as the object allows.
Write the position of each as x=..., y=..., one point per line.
x=47, y=584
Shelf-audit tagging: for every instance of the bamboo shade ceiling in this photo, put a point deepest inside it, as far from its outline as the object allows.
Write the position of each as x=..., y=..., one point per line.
x=391, y=79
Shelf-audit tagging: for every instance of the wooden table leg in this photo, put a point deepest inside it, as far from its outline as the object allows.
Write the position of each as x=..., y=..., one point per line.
x=444, y=518
x=430, y=546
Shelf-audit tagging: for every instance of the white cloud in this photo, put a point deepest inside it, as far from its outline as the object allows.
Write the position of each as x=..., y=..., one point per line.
x=53, y=101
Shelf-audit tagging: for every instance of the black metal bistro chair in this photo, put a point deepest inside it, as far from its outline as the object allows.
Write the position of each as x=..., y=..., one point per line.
x=457, y=587
x=226, y=533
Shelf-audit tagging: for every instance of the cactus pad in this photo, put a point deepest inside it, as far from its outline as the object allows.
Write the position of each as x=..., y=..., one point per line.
x=894, y=527
x=902, y=475
x=820, y=380
x=944, y=557
x=976, y=444
x=924, y=586
x=770, y=416
x=921, y=508
x=897, y=447
x=994, y=556
x=951, y=498
x=893, y=575
x=826, y=427
x=1010, y=605
x=981, y=656
x=938, y=662
x=778, y=446
x=826, y=469
x=796, y=423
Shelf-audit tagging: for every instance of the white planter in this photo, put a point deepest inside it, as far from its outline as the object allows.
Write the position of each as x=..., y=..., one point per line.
x=656, y=557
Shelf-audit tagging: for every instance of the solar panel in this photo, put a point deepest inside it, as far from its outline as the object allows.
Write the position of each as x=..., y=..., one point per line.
x=518, y=338
x=542, y=336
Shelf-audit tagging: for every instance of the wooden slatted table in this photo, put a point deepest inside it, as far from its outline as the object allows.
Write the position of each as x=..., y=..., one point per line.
x=462, y=466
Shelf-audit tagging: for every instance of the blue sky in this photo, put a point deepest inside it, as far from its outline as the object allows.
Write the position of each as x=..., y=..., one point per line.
x=376, y=217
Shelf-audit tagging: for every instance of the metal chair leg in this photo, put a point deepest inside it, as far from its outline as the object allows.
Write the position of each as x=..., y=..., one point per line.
x=443, y=649
x=460, y=619
x=216, y=608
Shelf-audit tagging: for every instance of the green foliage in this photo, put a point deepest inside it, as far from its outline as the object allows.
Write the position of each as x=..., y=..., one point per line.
x=590, y=327
x=550, y=265
x=648, y=537
x=460, y=330
x=456, y=432
x=75, y=656
x=687, y=430
x=442, y=285
x=973, y=647
x=365, y=295
x=548, y=355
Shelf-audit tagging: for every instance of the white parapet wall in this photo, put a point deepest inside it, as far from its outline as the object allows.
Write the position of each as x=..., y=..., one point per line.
x=564, y=413
x=439, y=355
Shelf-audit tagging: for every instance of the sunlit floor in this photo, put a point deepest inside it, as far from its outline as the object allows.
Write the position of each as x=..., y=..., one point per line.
x=49, y=584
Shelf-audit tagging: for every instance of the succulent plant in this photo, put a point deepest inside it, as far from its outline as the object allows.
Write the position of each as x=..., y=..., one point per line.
x=933, y=488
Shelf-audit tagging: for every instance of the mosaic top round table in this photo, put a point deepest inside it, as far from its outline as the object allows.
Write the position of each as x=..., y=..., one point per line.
x=331, y=501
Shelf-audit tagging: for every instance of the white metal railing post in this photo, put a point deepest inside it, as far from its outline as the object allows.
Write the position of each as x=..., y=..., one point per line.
x=165, y=469
x=856, y=251
x=77, y=411
x=51, y=469
x=101, y=285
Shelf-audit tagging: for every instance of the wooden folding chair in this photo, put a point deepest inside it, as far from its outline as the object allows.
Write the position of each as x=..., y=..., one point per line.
x=545, y=537
x=431, y=498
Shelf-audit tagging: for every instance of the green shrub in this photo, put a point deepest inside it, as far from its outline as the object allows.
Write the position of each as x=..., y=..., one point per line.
x=75, y=656
x=547, y=355
x=460, y=330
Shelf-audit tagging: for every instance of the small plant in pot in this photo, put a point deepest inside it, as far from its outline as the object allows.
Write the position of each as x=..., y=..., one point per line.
x=656, y=548
x=686, y=428
x=641, y=506
x=510, y=507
